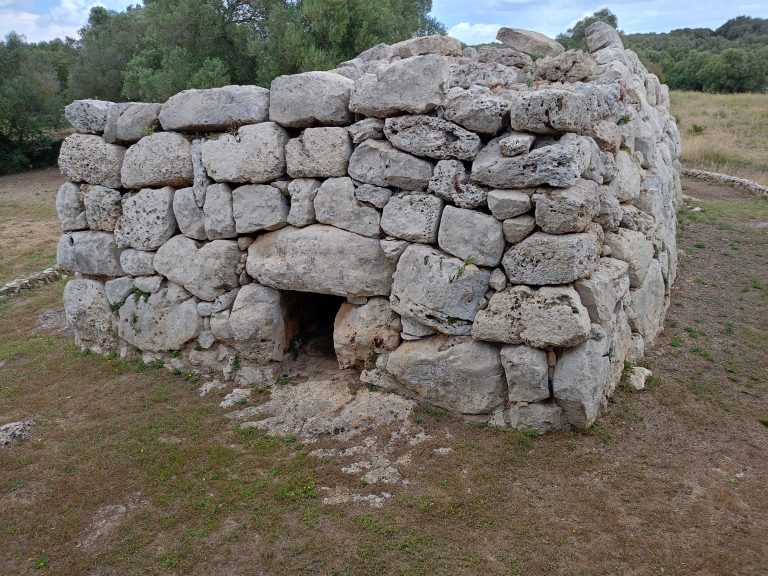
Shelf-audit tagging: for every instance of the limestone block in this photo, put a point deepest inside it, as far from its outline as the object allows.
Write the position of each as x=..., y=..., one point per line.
x=362, y=331
x=472, y=236
x=498, y=280
x=491, y=75
x=517, y=229
x=147, y=220
x=381, y=164
x=413, y=217
x=543, y=259
x=604, y=289
x=431, y=137
x=436, y=44
x=88, y=116
x=130, y=122
x=318, y=153
x=161, y=159
x=648, y=305
x=302, y=192
x=529, y=42
x=207, y=271
x=505, y=56
x=215, y=108
x=527, y=373
x=86, y=158
x=189, y=216
x=454, y=373
x=376, y=195
x=311, y=98
x=550, y=316
x=438, y=290
x=88, y=313
x=515, y=144
x=548, y=111
x=567, y=210
x=506, y=204
x=103, y=207
x=200, y=176
x=451, y=182
x=393, y=249
x=137, y=262
x=257, y=322
x=259, y=207
x=413, y=329
x=633, y=248
x=88, y=252
x=601, y=35
x=220, y=304
x=335, y=204
x=70, y=207
x=367, y=129
x=476, y=109
x=611, y=212
x=322, y=259
x=148, y=284
x=218, y=212
x=569, y=66
x=117, y=290
x=625, y=186
x=541, y=416
x=256, y=155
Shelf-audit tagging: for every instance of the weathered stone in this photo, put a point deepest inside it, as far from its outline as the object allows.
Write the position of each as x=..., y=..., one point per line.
x=215, y=108
x=550, y=316
x=137, y=262
x=189, y=216
x=161, y=159
x=85, y=158
x=88, y=116
x=148, y=284
x=601, y=35
x=302, y=210
x=472, y=236
x=570, y=66
x=322, y=259
x=87, y=252
x=166, y=320
x=87, y=311
x=544, y=417
x=257, y=322
x=130, y=122
x=454, y=373
x=335, y=204
x=256, y=155
x=103, y=207
x=607, y=135
x=529, y=42
x=560, y=164
x=218, y=213
x=414, y=86
x=515, y=144
x=413, y=329
x=436, y=44
x=633, y=248
x=413, y=217
x=549, y=111
x=476, y=109
x=637, y=377
x=393, y=249
x=15, y=432
x=438, y=290
x=318, y=153
x=376, y=195
x=362, y=331
x=648, y=304
x=381, y=164
x=259, y=207
x=147, y=220
x=604, y=289
x=117, y=290
x=450, y=182
x=517, y=229
x=610, y=213
x=543, y=259
x=527, y=373
x=367, y=129
x=625, y=186
x=506, y=204
x=505, y=56
x=432, y=137
x=200, y=176
x=70, y=207
x=566, y=210
x=498, y=280
x=311, y=98
x=220, y=304
x=487, y=75
x=207, y=271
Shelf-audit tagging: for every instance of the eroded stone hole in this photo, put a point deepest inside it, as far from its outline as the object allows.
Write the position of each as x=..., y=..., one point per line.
x=310, y=319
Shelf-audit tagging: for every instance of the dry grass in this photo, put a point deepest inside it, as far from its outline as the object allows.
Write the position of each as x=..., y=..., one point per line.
x=726, y=133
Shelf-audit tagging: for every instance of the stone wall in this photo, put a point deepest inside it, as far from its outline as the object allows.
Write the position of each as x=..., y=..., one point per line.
x=501, y=223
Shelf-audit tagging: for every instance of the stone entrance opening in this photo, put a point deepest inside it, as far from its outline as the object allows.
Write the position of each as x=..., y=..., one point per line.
x=310, y=317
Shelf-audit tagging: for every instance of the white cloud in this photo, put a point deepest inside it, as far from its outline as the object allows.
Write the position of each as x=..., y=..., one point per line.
x=35, y=27
x=474, y=33
x=72, y=12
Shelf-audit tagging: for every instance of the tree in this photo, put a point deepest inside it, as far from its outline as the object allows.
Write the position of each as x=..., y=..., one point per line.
x=575, y=38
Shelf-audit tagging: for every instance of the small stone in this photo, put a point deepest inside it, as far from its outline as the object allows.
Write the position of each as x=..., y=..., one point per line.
x=517, y=229
x=498, y=280
x=515, y=144
x=103, y=207
x=543, y=259
x=451, y=182
x=117, y=290
x=148, y=284
x=206, y=340
x=88, y=116
x=88, y=312
x=70, y=207
x=567, y=210
x=604, y=289
x=633, y=248
x=393, y=249
x=311, y=98
x=362, y=331
x=476, y=109
x=86, y=158
x=367, y=129
x=137, y=262
x=529, y=42
x=256, y=155
x=236, y=397
x=302, y=192
x=16, y=431
x=375, y=195
x=506, y=204
x=432, y=137
x=88, y=252
x=435, y=44
x=527, y=373
x=189, y=216
x=413, y=217
x=413, y=329
x=601, y=35
x=637, y=377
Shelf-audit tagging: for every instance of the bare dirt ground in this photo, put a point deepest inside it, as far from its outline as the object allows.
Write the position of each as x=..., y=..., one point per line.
x=130, y=472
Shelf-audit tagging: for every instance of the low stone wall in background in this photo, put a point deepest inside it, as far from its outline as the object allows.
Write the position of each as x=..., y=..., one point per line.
x=487, y=231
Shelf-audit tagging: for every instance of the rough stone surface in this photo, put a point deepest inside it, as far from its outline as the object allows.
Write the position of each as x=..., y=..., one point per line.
x=335, y=204
x=302, y=210
x=87, y=311
x=543, y=417
x=117, y=290
x=515, y=144
x=431, y=137
x=604, y=289
x=413, y=217
x=451, y=182
x=147, y=221
x=368, y=129
x=567, y=210
x=218, y=214
x=70, y=207
x=318, y=153
x=130, y=122
x=137, y=262
x=215, y=108
x=527, y=373
x=189, y=216
x=148, y=284
x=569, y=66
x=88, y=116
x=259, y=207
x=376, y=195
x=543, y=259
x=442, y=45
x=381, y=164
x=550, y=316
x=517, y=229
x=256, y=155
x=103, y=207
x=505, y=204
x=648, y=304
x=362, y=331
x=601, y=35
x=88, y=252
x=476, y=109
x=633, y=248
x=87, y=158
x=637, y=377
x=161, y=159
x=311, y=98
x=471, y=236
x=258, y=325
x=15, y=432
x=529, y=42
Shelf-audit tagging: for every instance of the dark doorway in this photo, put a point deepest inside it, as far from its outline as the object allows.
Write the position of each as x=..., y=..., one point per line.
x=310, y=319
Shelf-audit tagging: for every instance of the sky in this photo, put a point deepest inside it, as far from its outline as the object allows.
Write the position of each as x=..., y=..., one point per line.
x=472, y=21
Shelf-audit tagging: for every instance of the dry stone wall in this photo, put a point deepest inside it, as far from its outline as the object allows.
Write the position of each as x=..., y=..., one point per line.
x=499, y=222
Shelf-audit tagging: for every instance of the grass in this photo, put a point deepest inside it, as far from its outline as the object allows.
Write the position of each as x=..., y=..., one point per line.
x=726, y=133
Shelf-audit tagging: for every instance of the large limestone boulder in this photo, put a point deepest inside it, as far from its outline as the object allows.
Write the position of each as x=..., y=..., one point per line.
x=549, y=111
x=432, y=137
x=543, y=259
x=435, y=44
x=550, y=316
x=472, y=236
x=131, y=121
x=381, y=164
x=164, y=321
x=162, y=159
x=88, y=313
x=413, y=86
x=451, y=182
x=70, y=207
x=560, y=164
x=360, y=332
x=529, y=42
x=189, y=216
x=206, y=270
x=335, y=204
x=458, y=374
x=215, y=108
x=604, y=289
x=476, y=109
x=648, y=305
x=318, y=153
x=256, y=155
x=147, y=220
x=311, y=98
x=413, y=217
x=527, y=373
x=103, y=207
x=567, y=210
x=87, y=158
x=320, y=259
x=438, y=290
x=601, y=35
x=259, y=207
x=88, y=116
x=257, y=323
x=88, y=252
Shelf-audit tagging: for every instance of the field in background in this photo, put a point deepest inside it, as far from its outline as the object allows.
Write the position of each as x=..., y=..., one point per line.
x=726, y=133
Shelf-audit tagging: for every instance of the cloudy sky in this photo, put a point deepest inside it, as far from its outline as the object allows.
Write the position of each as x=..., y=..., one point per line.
x=472, y=21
